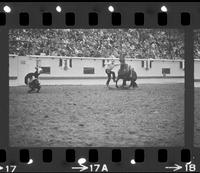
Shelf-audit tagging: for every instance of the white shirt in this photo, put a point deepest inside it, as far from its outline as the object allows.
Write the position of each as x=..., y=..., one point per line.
x=110, y=65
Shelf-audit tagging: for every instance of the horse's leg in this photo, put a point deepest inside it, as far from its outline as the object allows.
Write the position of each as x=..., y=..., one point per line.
x=113, y=76
x=124, y=83
x=135, y=84
x=131, y=84
x=38, y=88
x=116, y=82
x=109, y=78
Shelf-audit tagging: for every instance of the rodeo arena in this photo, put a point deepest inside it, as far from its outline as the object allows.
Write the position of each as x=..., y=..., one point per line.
x=97, y=87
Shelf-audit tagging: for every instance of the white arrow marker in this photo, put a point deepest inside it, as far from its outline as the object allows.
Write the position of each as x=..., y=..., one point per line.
x=175, y=167
x=83, y=168
x=1, y=168
x=30, y=162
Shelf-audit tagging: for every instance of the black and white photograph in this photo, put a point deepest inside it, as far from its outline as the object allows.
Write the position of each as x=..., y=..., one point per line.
x=197, y=88
x=98, y=88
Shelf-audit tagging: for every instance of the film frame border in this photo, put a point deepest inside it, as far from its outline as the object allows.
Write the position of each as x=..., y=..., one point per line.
x=151, y=13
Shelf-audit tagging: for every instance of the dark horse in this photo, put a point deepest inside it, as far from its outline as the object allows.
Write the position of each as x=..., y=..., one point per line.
x=128, y=75
x=31, y=79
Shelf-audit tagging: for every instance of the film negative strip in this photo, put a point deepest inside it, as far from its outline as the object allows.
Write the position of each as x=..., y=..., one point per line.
x=100, y=87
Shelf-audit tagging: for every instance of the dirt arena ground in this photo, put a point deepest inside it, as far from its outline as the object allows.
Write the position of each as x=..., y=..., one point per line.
x=197, y=117
x=95, y=116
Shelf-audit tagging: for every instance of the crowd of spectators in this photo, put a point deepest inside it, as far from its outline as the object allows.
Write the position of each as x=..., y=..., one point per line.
x=197, y=44
x=131, y=43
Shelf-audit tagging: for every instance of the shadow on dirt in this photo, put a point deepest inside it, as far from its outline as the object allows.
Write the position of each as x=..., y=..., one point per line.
x=123, y=88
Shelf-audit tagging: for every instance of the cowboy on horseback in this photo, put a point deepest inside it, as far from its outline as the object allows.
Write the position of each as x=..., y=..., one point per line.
x=124, y=68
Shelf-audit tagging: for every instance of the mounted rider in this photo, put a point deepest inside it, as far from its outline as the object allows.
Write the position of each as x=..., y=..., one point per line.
x=125, y=69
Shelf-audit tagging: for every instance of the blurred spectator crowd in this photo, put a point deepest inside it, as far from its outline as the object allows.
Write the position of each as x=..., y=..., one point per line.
x=130, y=43
x=197, y=44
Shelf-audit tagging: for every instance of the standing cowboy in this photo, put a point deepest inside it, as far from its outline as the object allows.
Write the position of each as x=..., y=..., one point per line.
x=109, y=67
x=32, y=76
x=31, y=79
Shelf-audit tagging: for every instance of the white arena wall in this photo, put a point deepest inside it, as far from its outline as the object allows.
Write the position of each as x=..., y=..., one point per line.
x=197, y=72
x=71, y=71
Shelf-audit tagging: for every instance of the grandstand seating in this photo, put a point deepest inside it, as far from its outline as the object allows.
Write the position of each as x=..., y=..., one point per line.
x=132, y=43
